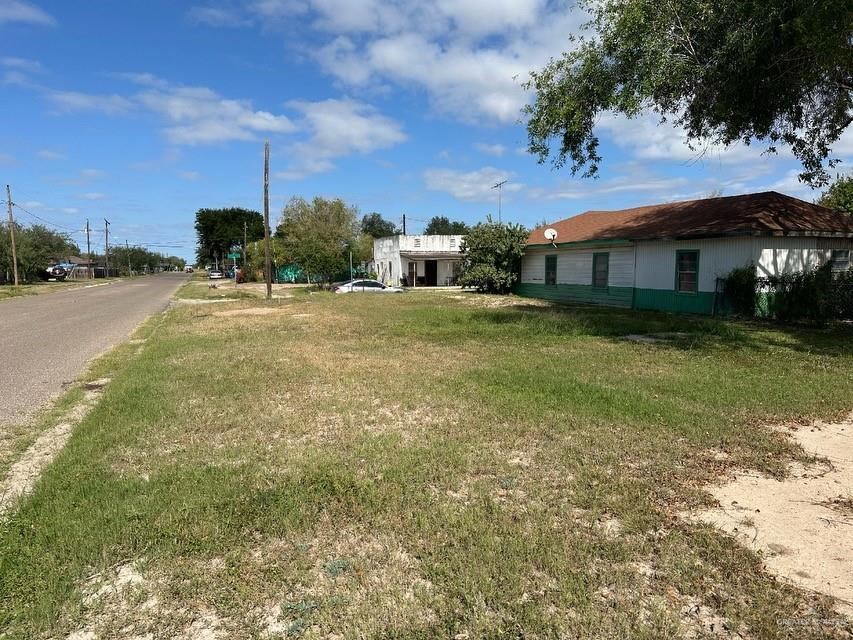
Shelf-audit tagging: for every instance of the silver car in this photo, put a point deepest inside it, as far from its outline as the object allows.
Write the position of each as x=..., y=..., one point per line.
x=364, y=286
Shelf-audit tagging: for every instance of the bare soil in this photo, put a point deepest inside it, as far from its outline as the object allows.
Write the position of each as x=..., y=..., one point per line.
x=796, y=523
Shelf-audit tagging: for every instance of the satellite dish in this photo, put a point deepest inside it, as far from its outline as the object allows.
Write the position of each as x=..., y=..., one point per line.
x=550, y=234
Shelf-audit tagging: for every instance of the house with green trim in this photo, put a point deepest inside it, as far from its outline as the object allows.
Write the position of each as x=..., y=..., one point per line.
x=671, y=256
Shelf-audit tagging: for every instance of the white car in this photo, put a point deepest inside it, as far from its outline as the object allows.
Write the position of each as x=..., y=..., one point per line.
x=364, y=286
x=216, y=275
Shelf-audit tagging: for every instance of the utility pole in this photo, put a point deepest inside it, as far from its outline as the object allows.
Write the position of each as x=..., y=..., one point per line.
x=129, y=270
x=12, y=233
x=89, y=269
x=267, y=256
x=499, y=187
x=404, y=224
x=106, y=248
x=244, y=244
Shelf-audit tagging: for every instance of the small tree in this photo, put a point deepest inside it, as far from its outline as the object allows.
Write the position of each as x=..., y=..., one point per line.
x=492, y=256
x=318, y=235
x=839, y=196
x=442, y=226
x=375, y=226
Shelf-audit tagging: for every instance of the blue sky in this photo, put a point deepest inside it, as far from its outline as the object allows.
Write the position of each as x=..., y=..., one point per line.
x=143, y=112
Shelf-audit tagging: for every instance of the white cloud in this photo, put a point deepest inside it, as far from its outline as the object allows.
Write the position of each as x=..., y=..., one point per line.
x=49, y=154
x=663, y=188
x=76, y=101
x=217, y=17
x=647, y=138
x=33, y=204
x=470, y=56
x=190, y=176
x=471, y=186
x=339, y=128
x=70, y=210
x=497, y=150
x=199, y=115
x=22, y=64
x=93, y=196
x=25, y=12
x=92, y=174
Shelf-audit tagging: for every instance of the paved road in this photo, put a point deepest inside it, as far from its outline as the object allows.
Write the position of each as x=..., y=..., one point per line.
x=47, y=340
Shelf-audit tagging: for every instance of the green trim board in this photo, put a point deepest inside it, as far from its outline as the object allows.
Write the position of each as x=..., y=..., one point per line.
x=584, y=293
x=668, y=300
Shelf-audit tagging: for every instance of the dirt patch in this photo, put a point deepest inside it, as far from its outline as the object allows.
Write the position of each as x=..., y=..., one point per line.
x=22, y=475
x=656, y=338
x=250, y=311
x=799, y=524
x=357, y=583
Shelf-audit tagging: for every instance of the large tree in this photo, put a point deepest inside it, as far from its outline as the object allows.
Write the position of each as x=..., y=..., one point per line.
x=442, y=226
x=220, y=230
x=839, y=196
x=774, y=71
x=318, y=235
x=375, y=226
x=492, y=256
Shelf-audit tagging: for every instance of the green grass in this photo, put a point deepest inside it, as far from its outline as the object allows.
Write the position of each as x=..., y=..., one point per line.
x=420, y=465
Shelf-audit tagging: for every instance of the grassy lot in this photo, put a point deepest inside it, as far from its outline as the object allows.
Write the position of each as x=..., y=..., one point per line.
x=36, y=288
x=419, y=465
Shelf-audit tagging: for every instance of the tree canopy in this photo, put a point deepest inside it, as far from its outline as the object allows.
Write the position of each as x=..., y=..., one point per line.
x=37, y=247
x=442, y=226
x=775, y=71
x=839, y=196
x=375, y=226
x=492, y=256
x=219, y=230
x=318, y=235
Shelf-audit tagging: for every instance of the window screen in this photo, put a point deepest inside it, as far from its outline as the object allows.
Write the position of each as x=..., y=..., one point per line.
x=687, y=272
x=550, y=269
x=600, y=269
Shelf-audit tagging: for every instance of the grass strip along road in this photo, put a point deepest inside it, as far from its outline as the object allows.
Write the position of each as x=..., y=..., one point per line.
x=421, y=465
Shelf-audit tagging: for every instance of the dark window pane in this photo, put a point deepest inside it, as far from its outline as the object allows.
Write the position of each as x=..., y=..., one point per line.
x=550, y=269
x=600, y=268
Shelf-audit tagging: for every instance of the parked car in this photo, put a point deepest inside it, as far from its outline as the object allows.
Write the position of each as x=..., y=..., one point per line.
x=366, y=286
x=57, y=272
x=216, y=274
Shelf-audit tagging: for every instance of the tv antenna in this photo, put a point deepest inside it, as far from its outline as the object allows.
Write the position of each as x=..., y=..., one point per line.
x=499, y=187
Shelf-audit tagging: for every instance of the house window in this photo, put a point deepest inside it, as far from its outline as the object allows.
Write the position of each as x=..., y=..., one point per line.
x=687, y=271
x=840, y=259
x=550, y=269
x=417, y=243
x=600, y=270
x=453, y=243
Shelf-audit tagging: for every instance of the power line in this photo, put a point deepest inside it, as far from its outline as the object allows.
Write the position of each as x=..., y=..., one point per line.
x=47, y=222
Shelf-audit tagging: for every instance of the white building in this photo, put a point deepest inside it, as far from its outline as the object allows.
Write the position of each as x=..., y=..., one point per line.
x=670, y=256
x=417, y=261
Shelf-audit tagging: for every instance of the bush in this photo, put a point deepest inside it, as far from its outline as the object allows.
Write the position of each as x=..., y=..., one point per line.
x=803, y=296
x=492, y=256
x=741, y=290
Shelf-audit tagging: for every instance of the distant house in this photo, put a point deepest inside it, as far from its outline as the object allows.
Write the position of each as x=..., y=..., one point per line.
x=417, y=261
x=669, y=256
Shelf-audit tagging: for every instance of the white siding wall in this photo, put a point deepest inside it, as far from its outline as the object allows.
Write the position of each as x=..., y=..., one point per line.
x=718, y=256
x=787, y=255
x=386, y=259
x=574, y=266
x=443, y=244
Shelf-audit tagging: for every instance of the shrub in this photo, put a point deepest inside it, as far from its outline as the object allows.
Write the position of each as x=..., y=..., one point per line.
x=803, y=296
x=741, y=290
x=492, y=256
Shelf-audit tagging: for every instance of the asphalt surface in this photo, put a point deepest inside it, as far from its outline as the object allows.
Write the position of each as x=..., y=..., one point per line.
x=46, y=340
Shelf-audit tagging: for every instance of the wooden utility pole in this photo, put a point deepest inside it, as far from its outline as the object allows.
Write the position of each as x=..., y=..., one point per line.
x=129, y=270
x=106, y=248
x=12, y=233
x=267, y=252
x=90, y=271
